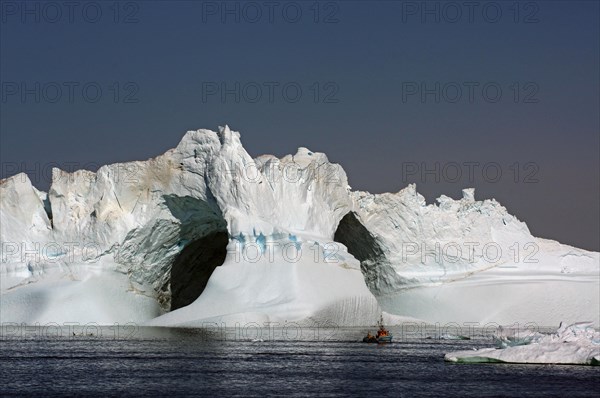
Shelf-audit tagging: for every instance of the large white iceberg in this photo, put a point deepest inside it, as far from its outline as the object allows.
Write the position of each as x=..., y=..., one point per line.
x=205, y=233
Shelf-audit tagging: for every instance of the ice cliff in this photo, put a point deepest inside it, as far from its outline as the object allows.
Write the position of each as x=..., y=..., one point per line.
x=205, y=233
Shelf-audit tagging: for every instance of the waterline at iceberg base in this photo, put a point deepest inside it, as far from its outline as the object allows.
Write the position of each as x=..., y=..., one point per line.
x=205, y=233
x=577, y=344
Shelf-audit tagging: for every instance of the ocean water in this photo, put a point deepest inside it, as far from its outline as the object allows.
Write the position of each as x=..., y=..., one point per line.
x=324, y=362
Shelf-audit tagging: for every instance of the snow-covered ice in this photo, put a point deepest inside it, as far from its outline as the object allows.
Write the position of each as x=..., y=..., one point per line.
x=576, y=344
x=206, y=233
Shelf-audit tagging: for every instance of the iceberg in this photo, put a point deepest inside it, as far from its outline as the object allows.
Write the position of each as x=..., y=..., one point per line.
x=204, y=233
x=576, y=344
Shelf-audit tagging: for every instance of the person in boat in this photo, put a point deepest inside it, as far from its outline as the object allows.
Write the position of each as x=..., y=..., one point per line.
x=369, y=335
x=382, y=332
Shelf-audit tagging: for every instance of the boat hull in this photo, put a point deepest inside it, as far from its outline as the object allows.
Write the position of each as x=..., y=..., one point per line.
x=384, y=339
x=378, y=340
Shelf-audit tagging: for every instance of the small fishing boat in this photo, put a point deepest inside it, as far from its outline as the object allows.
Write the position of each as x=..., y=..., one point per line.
x=383, y=335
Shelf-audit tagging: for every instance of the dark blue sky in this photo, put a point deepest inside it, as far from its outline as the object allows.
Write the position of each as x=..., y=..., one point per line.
x=385, y=92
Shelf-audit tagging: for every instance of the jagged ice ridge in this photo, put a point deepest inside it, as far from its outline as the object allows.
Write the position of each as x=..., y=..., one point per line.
x=205, y=233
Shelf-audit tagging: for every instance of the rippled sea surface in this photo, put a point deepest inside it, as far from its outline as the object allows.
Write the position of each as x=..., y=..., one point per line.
x=161, y=362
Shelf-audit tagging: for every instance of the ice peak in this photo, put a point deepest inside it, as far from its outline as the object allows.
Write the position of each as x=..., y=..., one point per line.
x=228, y=136
x=304, y=151
x=305, y=155
x=469, y=194
x=224, y=129
x=20, y=177
x=195, y=142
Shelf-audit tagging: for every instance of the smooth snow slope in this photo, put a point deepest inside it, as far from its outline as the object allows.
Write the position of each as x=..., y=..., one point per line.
x=113, y=246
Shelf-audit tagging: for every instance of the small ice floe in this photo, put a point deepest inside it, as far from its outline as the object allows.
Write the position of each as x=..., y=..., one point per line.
x=577, y=344
x=448, y=336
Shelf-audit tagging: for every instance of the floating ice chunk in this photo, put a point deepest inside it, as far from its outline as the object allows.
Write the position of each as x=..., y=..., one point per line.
x=574, y=344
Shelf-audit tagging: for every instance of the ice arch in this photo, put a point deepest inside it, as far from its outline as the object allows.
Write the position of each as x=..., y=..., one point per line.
x=194, y=265
x=203, y=237
x=362, y=245
x=177, y=251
